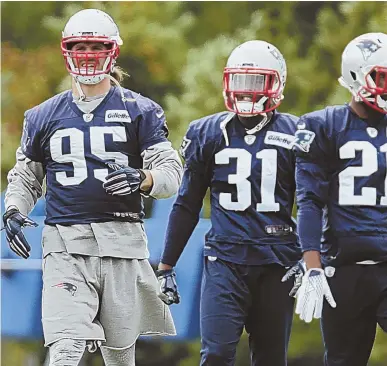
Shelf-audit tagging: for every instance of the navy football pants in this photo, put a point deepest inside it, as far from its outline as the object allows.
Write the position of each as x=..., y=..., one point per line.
x=349, y=330
x=237, y=296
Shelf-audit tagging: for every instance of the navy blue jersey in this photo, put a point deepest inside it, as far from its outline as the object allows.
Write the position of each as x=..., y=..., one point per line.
x=341, y=178
x=251, y=181
x=75, y=150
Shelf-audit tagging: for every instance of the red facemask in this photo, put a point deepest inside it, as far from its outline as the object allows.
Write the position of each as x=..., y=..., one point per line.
x=376, y=85
x=260, y=87
x=89, y=60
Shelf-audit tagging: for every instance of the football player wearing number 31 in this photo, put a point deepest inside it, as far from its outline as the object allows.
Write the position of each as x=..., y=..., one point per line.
x=342, y=193
x=100, y=148
x=245, y=157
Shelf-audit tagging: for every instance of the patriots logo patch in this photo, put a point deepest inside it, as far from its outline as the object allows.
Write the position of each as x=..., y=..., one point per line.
x=367, y=47
x=67, y=286
x=184, y=146
x=303, y=139
x=159, y=113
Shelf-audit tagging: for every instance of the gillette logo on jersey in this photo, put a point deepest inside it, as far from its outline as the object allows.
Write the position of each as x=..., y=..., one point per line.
x=279, y=139
x=117, y=115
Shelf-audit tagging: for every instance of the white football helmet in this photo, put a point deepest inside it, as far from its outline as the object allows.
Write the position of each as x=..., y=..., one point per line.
x=90, y=25
x=254, y=79
x=364, y=70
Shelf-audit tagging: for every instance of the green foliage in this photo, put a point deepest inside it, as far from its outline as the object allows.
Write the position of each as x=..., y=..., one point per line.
x=175, y=53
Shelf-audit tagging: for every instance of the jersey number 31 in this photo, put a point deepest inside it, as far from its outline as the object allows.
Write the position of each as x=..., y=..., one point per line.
x=243, y=185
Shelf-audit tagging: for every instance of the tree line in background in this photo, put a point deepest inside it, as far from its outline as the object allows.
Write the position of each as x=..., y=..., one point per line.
x=175, y=53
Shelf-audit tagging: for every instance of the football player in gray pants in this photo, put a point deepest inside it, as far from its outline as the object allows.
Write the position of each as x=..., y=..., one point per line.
x=100, y=148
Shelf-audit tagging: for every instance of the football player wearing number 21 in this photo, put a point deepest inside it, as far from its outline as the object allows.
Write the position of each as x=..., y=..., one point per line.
x=245, y=158
x=342, y=198
x=101, y=148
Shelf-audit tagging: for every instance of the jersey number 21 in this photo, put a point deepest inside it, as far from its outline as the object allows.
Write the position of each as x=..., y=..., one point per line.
x=369, y=166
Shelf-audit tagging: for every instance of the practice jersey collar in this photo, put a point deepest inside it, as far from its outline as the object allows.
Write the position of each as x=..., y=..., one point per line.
x=75, y=108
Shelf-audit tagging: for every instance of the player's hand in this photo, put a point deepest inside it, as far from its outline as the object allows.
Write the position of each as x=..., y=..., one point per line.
x=311, y=294
x=124, y=181
x=296, y=272
x=14, y=222
x=168, y=287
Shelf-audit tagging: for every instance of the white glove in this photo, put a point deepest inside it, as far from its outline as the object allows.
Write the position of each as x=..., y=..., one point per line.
x=310, y=296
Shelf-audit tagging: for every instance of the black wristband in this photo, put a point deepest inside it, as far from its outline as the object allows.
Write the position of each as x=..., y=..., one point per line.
x=142, y=175
x=165, y=272
x=142, y=178
x=9, y=213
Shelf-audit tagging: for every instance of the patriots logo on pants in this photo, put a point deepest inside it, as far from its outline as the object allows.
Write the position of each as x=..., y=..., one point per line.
x=303, y=139
x=67, y=286
x=367, y=47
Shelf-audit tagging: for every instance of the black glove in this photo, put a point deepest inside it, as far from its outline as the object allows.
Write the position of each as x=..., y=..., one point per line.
x=168, y=286
x=14, y=222
x=297, y=271
x=123, y=181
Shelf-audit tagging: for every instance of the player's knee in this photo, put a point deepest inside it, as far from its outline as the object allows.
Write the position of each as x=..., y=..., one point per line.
x=219, y=355
x=67, y=352
x=122, y=357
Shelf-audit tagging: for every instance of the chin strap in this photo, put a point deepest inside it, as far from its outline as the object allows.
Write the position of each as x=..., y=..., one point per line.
x=260, y=125
x=377, y=99
x=123, y=98
x=82, y=96
x=266, y=119
x=381, y=102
